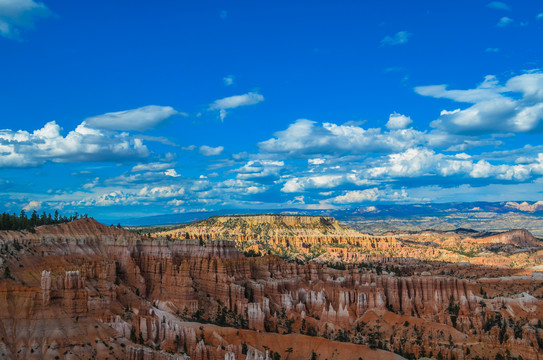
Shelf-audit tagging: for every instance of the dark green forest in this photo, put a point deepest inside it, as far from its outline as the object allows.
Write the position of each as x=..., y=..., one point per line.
x=24, y=222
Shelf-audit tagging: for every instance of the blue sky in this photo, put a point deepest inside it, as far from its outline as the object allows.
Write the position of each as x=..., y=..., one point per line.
x=125, y=109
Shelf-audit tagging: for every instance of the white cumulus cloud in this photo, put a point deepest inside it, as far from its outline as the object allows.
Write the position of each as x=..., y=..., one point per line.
x=299, y=184
x=176, y=202
x=210, y=151
x=398, y=121
x=172, y=173
x=305, y=137
x=316, y=161
x=369, y=195
x=32, y=205
x=161, y=191
x=420, y=162
x=357, y=196
x=23, y=149
x=235, y=101
x=254, y=169
x=516, y=106
x=139, y=119
x=156, y=166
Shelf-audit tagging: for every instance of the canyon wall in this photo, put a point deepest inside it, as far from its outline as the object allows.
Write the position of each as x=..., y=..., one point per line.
x=87, y=290
x=284, y=231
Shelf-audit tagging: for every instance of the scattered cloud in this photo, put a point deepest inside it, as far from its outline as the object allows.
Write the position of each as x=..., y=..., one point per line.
x=92, y=184
x=413, y=162
x=516, y=106
x=299, y=184
x=32, y=205
x=357, y=196
x=158, y=139
x=260, y=169
x=498, y=5
x=305, y=138
x=539, y=16
x=297, y=200
x=316, y=161
x=161, y=191
x=421, y=162
x=240, y=156
x=127, y=197
x=241, y=186
x=398, y=121
x=156, y=166
x=228, y=80
x=141, y=119
x=504, y=21
x=172, y=173
x=20, y=14
x=24, y=149
x=314, y=164
x=235, y=101
x=210, y=151
x=176, y=202
x=401, y=37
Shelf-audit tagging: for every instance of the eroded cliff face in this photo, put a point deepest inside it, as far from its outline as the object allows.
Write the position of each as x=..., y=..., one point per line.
x=515, y=248
x=518, y=238
x=309, y=237
x=280, y=232
x=82, y=290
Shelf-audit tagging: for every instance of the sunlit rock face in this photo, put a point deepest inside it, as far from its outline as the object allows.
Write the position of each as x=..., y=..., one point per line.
x=300, y=232
x=85, y=290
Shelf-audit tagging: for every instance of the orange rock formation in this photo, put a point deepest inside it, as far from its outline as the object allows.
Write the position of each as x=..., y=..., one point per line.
x=85, y=290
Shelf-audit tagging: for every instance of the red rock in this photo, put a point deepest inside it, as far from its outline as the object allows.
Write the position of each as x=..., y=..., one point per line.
x=100, y=287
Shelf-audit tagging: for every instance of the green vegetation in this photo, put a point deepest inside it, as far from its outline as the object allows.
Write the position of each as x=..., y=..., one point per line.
x=461, y=251
x=23, y=222
x=252, y=253
x=453, y=309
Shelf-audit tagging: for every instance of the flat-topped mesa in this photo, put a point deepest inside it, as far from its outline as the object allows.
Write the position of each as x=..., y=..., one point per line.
x=279, y=220
x=300, y=231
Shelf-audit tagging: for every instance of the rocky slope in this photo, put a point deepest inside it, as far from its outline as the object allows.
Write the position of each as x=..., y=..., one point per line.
x=514, y=248
x=294, y=233
x=85, y=290
x=520, y=238
x=307, y=237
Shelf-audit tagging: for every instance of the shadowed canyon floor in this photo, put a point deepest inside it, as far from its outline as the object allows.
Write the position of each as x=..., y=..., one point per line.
x=317, y=291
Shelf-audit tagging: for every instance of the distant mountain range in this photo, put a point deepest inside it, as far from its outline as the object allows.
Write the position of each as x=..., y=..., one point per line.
x=405, y=211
